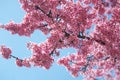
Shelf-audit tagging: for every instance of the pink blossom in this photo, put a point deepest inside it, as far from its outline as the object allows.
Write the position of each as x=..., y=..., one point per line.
x=67, y=24
x=42, y=60
x=6, y=52
x=19, y=62
x=26, y=63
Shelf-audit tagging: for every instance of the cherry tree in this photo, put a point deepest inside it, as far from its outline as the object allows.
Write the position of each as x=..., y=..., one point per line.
x=69, y=24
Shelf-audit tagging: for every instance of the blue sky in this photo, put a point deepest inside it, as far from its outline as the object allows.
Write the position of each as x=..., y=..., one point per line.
x=11, y=10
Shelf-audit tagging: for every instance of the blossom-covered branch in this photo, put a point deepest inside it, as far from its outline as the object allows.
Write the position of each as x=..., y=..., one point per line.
x=91, y=27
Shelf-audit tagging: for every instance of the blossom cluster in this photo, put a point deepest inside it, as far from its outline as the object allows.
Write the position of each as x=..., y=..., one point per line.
x=68, y=23
x=6, y=52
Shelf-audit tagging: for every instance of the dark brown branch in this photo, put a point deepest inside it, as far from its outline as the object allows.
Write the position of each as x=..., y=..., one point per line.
x=49, y=14
x=38, y=8
x=67, y=34
x=44, y=25
x=82, y=36
x=101, y=42
x=85, y=37
x=15, y=57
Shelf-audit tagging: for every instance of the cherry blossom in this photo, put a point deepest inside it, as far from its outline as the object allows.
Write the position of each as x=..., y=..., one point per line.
x=69, y=24
x=6, y=52
x=26, y=63
x=19, y=62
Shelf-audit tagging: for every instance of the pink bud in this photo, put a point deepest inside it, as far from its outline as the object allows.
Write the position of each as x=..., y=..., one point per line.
x=19, y=62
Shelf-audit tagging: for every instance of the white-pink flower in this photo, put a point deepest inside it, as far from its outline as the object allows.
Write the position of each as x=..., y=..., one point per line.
x=19, y=62
x=6, y=52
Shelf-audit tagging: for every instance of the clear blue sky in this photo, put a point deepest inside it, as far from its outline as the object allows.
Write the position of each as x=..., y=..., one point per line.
x=11, y=10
